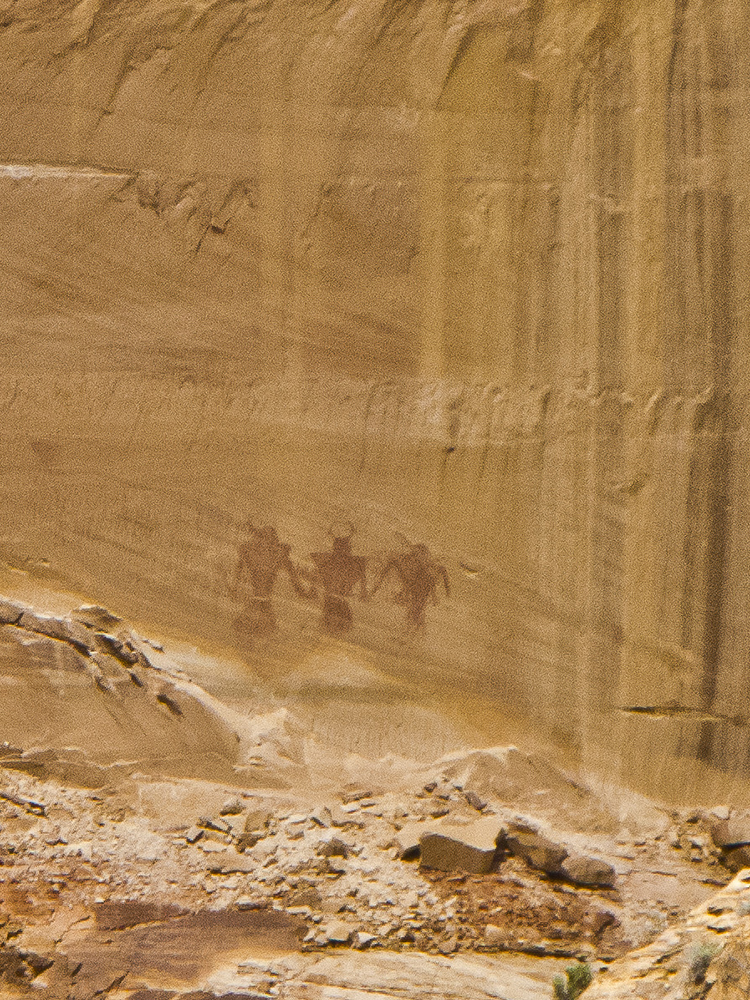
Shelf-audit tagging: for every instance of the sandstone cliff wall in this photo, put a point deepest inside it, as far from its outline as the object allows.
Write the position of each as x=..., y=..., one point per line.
x=471, y=274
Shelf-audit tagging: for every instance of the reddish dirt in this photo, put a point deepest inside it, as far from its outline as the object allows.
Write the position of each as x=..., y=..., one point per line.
x=534, y=914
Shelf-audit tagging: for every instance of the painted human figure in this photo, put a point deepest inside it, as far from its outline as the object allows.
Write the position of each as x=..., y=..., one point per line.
x=260, y=560
x=338, y=572
x=420, y=576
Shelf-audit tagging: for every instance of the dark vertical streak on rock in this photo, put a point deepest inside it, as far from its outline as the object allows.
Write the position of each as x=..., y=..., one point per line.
x=719, y=478
x=547, y=323
x=675, y=313
x=526, y=349
x=612, y=175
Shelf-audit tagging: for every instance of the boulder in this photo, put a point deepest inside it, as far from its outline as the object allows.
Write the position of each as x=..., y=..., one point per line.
x=338, y=932
x=470, y=848
x=406, y=839
x=544, y=854
x=535, y=849
x=333, y=847
x=322, y=816
x=307, y=896
x=733, y=831
x=257, y=820
x=363, y=940
x=584, y=870
x=737, y=858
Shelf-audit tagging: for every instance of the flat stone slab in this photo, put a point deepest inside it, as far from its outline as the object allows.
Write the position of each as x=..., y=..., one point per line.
x=368, y=975
x=471, y=848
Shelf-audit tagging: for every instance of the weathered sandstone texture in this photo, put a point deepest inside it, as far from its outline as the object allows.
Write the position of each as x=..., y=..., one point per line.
x=464, y=274
x=156, y=843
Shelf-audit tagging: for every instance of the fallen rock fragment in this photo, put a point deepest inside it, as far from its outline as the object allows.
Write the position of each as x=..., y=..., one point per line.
x=10, y=612
x=439, y=809
x=334, y=904
x=250, y=903
x=584, y=870
x=338, y=932
x=406, y=839
x=322, y=816
x=96, y=617
x=333, y=847
x=229, y=863
x=362, y=940
x=732, y=832
x=332, y=866
x=309, y=896
x=535, y=849
x=341, y=818
x=355, y=793
x=35, y=808
x=736, y=858
x=220, y=826
x=470, y=848
x=449, y=946
x=169, y=703
x=476, y=801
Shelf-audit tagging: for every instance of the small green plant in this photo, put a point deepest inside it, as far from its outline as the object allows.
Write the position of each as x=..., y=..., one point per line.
x=577, y=978
x=700, y=958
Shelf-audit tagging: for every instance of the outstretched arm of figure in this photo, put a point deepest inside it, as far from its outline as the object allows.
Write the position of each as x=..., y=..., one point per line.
x=391, y=564
x=294, y=576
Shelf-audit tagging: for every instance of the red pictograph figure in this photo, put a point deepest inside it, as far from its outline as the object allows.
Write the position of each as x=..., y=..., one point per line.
x=260, y=560
x=338, y=572
x=419, y=575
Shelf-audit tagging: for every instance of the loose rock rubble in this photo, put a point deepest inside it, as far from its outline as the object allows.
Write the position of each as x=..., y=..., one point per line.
x=445, y=860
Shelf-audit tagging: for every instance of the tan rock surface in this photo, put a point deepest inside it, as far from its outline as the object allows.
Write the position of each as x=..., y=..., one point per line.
x=387, y=360
x=461, y=274
x=705, y=953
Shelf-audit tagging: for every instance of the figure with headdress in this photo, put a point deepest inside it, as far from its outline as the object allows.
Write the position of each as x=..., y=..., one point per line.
x=419, y=575
x=339, y=571
x=261, y=557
